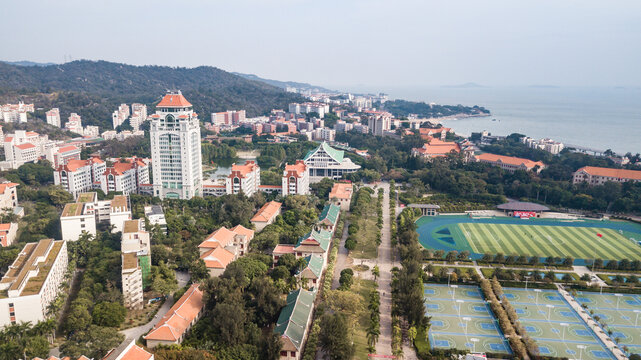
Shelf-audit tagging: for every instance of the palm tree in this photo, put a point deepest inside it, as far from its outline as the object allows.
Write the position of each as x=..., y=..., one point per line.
x=376, y=272
x=373, y=332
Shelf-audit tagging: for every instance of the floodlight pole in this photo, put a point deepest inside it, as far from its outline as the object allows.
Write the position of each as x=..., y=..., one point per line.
x=637, y=318
x=581, y=347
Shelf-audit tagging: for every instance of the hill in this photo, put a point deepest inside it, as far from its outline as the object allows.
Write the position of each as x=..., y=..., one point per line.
x=284, y=84
x=94, y=89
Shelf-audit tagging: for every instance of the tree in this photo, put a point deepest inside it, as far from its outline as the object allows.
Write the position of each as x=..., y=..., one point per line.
x=376, y=272
x=411, y=333
x=109, y=314
x=163, y=279
x=334, y=337
x=78, y=318
x=346, y=279
x=265, y=299
x=37, y=346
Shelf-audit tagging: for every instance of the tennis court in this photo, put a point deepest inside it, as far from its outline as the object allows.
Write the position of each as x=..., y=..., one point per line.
x=461, y=319
x=621, y=313
x=556, y=327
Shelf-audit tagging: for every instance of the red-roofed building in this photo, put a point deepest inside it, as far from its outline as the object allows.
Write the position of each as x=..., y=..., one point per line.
x=174, y=100
x=296, y=179
x=173, y=327
x=8, y=233
x=125, y=177
x=341, y=195
x=266, y=215
x=598, y=175
x=243, y=178
x=234, y=241
x=282, y=249
x=430, y=133
x=510, y=163
x=24, y=146
x=8, y=196
x=78, y=176
x=63, y=154
x=436, y=148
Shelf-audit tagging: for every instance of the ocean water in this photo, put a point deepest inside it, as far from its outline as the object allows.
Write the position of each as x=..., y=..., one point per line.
x=597, y=118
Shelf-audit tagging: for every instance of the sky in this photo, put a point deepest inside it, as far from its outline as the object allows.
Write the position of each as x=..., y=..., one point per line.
x=344, y=43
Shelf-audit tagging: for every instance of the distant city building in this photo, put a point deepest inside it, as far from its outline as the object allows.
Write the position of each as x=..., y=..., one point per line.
x=296, y=179
x=63, y=154
x=91, y=131
x=593, y=175
x=510, y=163
x=119, y=116
x=175, y=149
x=156, y=216
x=120, y=136
x=231, y=117
x=549, y=145
x=15, y=113
x=266, y=215
x=379, y=122
x=138, y=116
x=53, y=117
x=243, y=178
x=304, y=108
x=363, y=129
x=324, y=134
x=325, y=161
x=23, y=147
x=342, y=126
x=32, y=282
x=74, y=124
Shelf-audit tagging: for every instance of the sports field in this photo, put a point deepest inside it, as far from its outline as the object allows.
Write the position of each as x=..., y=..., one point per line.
x=533, y=237
x=462, y=320
x=556, y=327
x=622, y=315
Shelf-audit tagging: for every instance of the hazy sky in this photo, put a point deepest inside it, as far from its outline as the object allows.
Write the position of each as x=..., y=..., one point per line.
x=343, y=42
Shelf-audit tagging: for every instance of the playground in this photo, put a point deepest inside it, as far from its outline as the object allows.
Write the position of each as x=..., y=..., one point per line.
x=556, y=327
x=579, y=239
x=461, y=319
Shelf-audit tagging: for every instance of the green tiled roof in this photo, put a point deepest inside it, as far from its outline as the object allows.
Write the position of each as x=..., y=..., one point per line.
x=323, y=237
x=292, y=321
x=315, y=264
x=333, y=153
x=330, y=212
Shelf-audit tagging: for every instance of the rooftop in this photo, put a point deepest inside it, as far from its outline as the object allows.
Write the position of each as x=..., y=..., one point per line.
x=511, y=160
x=178, y=319
x=20, y=275
x=330, y=212
x=87, y=197
x=132, y=226
x=119, y=203
x=298, y=168
x=129, y=261
x=174, y=100
x=243, y=169
x=267, y=212
x=613, y=173
x=337, y=155
x=72, y=209
x=293, y=318
x=217, y=258
x=341, y=191
x=522, y=206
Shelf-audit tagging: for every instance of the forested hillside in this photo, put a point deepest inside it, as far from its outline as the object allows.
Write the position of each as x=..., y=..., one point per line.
x=93, y=89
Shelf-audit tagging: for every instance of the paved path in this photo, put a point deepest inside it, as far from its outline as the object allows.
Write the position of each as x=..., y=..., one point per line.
x=342, y=258
x=612, y=346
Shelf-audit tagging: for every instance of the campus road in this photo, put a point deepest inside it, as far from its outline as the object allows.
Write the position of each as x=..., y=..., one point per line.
x=341, y=259
x=385, y=264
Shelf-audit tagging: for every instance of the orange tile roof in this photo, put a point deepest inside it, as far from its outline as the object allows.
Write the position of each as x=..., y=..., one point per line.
x=217, y=258
x=243, y=170
x=73, y=165
x=424, y=131
x=511, y=160
x=283, y=249
x=241, y=230
x=67, y=148
x=135, y=353
x=179, y=318
x=8, y=139
x=298, y=168
x=439, y=147
x=25, y=146
x=174, y=100
x=267, y=212
x=341, y=191
x=613, y=173
x=4, y=186
x=221, y=237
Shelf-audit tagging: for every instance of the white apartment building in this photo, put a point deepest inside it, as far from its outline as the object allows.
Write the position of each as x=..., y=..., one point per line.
x=125, y=177
x=324, y=134
x=156, y=216
x=16, y=113
x=24, y=146
x=379, y=123
x=296, y=179
x=91, y=131
x=304, y=108
x=76, y=219
x=230, y=117
x=135, y=238
x=343, y=127
x=32, y=282
x=138, y=115
x=74, y=124
x=120, y=136
x=175, y=149
x=120, y=115
x=119, y=212
x=53, y=117
x=325, y=161
x=243, y=178
x=132, y=288
x=549, y=145
x=8, y=196
x=61, y=155
x=77, y=176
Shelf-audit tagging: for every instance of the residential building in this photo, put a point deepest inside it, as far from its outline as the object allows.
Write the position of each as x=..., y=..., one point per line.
x=76, y=219
x=324, y=134
x=60, y=155
x=91, y=131
x=132, y=288
x=175, y=149
x=8, y=196
x=120, y=136
x=230, y=117
x=599, y=175
x=328, y=218
x=16, y=113
x=119, y=116
x=342, y=126
x=8, y=234
x=341, y=195
x=266, y=215
x=325, y=161
x=296, y=179
x=32, y=282
x=436, y=148
x=23, y=147
x=53, y=117
x=78, y=176
x=156, y=216
x=119, y=212
x=133, y=352
x=138, y=116
x=379, y=123
x=173, y=327
x=74, y=124
x=312, y=271
x=223, y=246
x=294, y=322
x=309, y=107
x=134, y=237
x=510, y=163
x=243, y=178
x=549, y=145
x=125, y=177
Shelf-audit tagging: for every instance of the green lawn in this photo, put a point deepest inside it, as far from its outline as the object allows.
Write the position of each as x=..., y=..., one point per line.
x=366, y=245
x=363, y=288
x=545, y=240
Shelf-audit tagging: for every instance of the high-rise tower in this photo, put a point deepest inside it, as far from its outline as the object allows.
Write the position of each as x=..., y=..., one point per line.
x=175, y=149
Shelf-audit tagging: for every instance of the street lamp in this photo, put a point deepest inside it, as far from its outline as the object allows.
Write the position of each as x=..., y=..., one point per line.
x=637, y=318
x=580, y=347
x=460, y=303
x=564, y=326
x=618, y=298
x=466, y=319
x=537, y=291
x=474, y=341
x=526, y=280
x=550, y=307
x=449, y=273
x=454, y=287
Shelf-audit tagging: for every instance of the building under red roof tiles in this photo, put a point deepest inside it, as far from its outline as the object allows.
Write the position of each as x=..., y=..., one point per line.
x=217, y=259
x=242, y=170
x=4, y=187
x=298, y=169
x=436, y=148
x=173, y=100
x=598, y=175
x=266, y=215
x=509, y=163
x=25, y=146
x=171, y=329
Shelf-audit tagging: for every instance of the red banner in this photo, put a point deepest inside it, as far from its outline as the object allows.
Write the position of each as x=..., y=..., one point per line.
x=525, y=214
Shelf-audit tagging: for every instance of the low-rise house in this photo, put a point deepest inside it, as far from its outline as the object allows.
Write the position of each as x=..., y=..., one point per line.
x=313, y=243
x=328, y=218
x=436, y=148
x=310, y=275
x=8, y=233
x=341, y=195
x=223, y=246
x=294, y=322
x=216, y=260
x=156, y=216
x=173, y=327
x=510, y=163
x=593, y=175
x=282, y=249
x=266, y=215
x=32, y=282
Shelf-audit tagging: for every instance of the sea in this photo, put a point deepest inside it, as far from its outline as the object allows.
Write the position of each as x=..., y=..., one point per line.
x=596, y=118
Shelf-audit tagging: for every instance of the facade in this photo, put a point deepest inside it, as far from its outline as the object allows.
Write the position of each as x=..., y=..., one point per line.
x=341, y=195
x=132, y=289
x=24, y=146
x=32, y=282
x=175, y=149
x=599, y=175
x=296, y=179
x=325, y=161
x=510, y=163
x=16, y=113
x=173, y=327
x=119, y=212
x=243, y=178
x=8, y=196
x=135, y=238
x=436, y=148
x=74, y=124
x=138, y=115
x=324, y=134
x=77, y=176
x=266, y=215
x=223, y=246
x=294, y=322
x=119, y=116
x=156, y=216
x=53, y=117
x=8, y=234
x=125, y=177
x=231, y=117
x=379, y=123
x=76, y=219
x=62, y=155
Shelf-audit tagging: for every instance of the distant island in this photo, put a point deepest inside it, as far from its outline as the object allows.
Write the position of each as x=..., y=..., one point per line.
x=403, y=108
